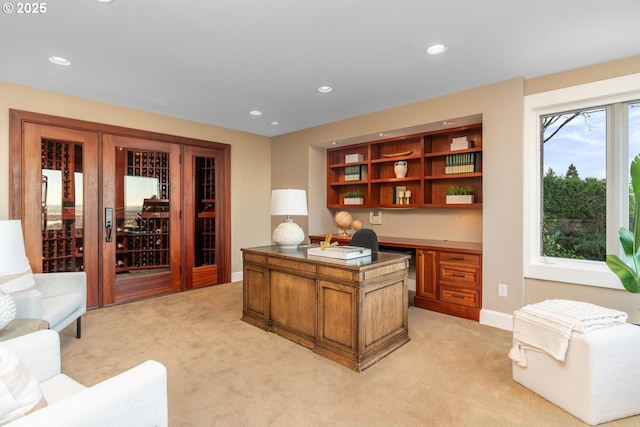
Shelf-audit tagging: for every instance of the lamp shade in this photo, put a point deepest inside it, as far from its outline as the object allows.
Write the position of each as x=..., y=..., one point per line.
x=13, y=257
x=288, y=202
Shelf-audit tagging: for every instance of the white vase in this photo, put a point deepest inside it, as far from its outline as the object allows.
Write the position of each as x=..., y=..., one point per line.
x=400, y=169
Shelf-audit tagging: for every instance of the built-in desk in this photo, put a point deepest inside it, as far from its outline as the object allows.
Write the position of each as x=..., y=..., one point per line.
x=353, y=312
x=448, y=273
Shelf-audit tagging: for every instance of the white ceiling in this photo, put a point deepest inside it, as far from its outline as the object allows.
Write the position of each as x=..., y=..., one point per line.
x=216, y=60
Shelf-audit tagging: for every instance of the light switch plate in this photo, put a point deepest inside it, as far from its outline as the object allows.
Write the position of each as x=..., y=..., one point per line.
x=375, y=217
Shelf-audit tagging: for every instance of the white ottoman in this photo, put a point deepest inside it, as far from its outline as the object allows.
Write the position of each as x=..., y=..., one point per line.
x=599, y=380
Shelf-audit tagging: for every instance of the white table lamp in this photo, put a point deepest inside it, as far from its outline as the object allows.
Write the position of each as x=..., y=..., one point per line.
x=13, y=258
x=288, y=235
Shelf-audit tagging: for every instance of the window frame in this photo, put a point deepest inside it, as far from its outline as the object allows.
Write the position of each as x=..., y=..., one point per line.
x=601, y=93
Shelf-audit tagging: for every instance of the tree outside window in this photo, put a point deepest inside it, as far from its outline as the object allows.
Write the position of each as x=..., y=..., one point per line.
x=574, y=179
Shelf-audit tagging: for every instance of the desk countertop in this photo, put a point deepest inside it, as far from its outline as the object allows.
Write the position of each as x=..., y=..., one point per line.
x=405, y=242
x=300, y=253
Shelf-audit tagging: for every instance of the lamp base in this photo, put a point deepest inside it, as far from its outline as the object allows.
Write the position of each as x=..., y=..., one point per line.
x=288, y=235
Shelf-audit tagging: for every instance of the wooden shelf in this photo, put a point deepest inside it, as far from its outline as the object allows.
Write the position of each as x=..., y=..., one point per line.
x=426, y=157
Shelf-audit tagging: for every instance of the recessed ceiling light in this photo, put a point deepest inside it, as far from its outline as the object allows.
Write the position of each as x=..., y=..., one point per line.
x=325, y=89
x=437, y=49
x=160, y=102
x=58, y=60
x=105, y=1
x=274, y=123
x=255, y=113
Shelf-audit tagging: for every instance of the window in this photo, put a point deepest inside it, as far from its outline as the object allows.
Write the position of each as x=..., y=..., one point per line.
x=579, y=143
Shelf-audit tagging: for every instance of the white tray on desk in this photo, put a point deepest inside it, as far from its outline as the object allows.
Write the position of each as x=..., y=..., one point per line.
x=340, y=252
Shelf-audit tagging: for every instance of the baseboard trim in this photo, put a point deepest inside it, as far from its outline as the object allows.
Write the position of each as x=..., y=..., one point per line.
x=236, y=276
x=496, y=319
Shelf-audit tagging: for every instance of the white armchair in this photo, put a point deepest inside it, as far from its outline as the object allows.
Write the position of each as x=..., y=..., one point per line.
x=58, y=298
x=137, y=397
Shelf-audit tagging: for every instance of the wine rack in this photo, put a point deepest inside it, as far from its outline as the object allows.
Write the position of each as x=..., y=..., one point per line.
x=61, y=236
x=205, y=253
x=145, y=248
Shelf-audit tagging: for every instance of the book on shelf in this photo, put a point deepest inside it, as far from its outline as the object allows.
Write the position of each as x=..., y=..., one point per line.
x=460, y=163
x=353, y=158
x=355, y=173
x=340, y=252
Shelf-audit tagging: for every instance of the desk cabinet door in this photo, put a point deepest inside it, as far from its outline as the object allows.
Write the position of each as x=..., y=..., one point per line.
x=337, y=305
x=426, y=271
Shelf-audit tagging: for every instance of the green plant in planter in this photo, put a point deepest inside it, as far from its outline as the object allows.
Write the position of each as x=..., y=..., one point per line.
x=354, y=194
x=628, y=270
x=456, y=190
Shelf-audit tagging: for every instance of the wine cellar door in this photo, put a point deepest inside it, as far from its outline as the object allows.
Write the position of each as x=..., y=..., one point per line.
x=204, y=254
x=60, y=197
x=141, y=200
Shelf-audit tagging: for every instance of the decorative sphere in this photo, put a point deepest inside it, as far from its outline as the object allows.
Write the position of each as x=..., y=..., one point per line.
x=357, y=225
x=343, y=220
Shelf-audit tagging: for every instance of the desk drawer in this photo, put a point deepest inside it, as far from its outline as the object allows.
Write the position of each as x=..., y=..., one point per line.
x=459, y=258
x=459, y=275
x=459, y=296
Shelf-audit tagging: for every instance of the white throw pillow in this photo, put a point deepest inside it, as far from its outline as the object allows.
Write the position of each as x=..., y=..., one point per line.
x=18, y=282
x=20, y=392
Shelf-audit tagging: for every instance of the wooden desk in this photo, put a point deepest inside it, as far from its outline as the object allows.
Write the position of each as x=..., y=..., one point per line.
x=353, y=312
x=448, y=274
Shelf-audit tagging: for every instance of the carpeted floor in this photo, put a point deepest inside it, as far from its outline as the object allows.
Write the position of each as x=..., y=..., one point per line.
x=224, y=372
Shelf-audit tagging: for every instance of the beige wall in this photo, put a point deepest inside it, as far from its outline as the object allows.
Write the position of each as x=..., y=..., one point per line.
x=499, y=226
x=250, y=165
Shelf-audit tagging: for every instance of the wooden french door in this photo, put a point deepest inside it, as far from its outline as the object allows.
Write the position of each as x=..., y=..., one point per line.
x=121, y=205
x=59, y=196
x=142, y=218
x=205, y=248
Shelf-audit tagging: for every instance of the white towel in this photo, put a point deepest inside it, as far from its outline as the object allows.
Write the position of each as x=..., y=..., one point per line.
x=547, y=326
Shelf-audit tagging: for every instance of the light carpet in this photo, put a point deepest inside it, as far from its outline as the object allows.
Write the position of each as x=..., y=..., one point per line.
x=225, y=372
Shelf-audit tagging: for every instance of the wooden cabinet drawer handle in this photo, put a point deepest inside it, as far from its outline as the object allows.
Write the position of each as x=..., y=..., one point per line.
x=458, y=258
x=457, y=296
x=458, y=274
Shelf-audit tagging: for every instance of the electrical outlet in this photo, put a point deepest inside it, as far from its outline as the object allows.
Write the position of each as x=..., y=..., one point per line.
x=502, y=290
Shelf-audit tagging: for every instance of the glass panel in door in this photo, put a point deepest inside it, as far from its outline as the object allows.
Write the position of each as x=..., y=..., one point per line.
x=204, y=250
x=142, y=221
x=62, y=207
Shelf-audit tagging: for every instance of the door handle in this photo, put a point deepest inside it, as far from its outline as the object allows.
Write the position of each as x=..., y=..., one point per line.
x=108, y=223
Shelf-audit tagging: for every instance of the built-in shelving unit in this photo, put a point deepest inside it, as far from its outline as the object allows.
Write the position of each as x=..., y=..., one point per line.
x=428, y=157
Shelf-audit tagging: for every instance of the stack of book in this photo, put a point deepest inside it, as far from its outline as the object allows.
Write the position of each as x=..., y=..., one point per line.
x=355, y=173
x=340, y=252
x=460, y=163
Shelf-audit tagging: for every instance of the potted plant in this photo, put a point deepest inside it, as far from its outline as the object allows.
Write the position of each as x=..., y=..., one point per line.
x=353, y=197
x=460, y=195
x=628, y=270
